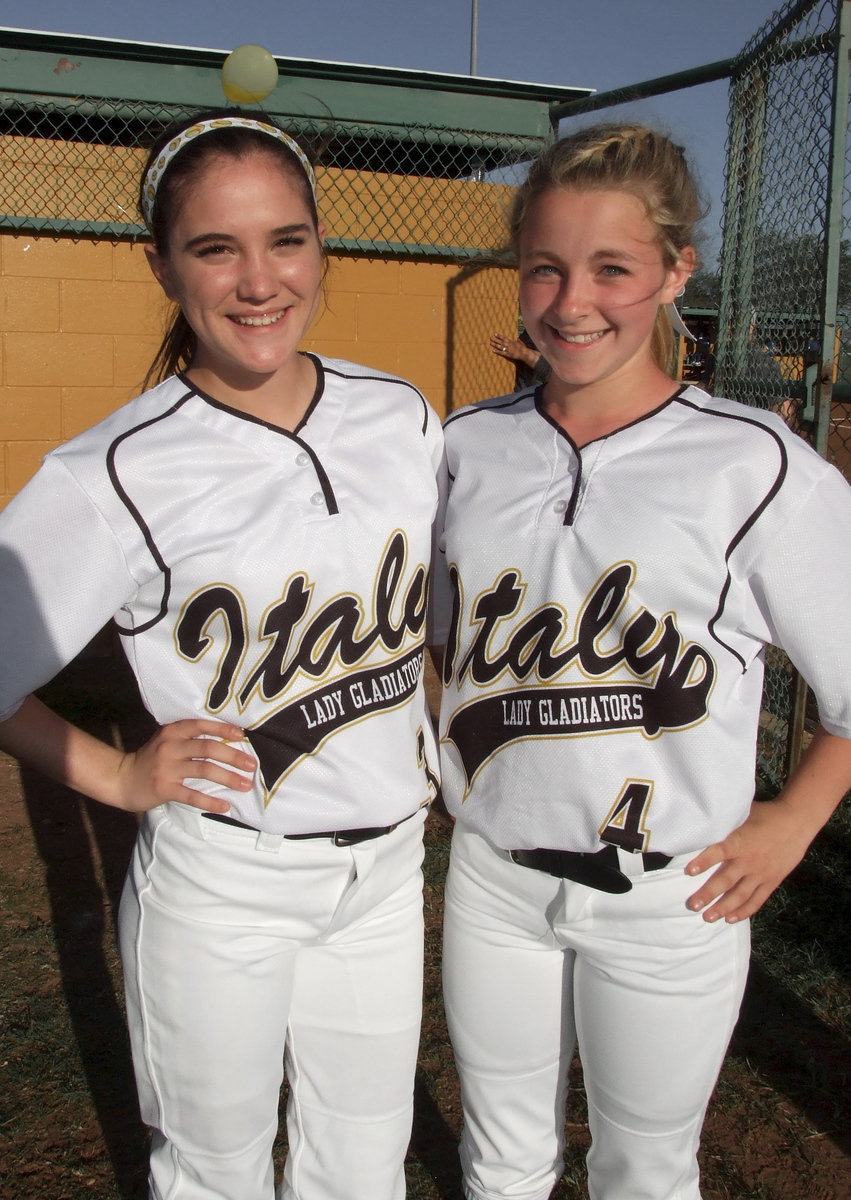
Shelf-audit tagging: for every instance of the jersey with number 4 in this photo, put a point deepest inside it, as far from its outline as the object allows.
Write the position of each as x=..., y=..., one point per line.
x=271, y=579
x=605, y=613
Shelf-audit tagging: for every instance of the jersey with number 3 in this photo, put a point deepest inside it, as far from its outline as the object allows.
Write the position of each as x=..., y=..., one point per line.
x=605, y=612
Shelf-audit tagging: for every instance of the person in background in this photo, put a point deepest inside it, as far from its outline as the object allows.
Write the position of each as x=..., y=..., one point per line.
x=703, y=364
x=530, y=368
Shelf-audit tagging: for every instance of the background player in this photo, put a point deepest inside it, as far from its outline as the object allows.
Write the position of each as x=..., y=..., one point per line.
x=618, y=550
x=235, y=520
x=529, y=366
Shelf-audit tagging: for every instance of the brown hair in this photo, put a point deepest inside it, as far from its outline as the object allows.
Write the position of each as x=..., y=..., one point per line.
x=179, y=343
x=623, y=157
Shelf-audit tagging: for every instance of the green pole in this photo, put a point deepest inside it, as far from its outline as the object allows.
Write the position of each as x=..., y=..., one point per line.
x=834, y=224
x=823, y=385
x=730, y=243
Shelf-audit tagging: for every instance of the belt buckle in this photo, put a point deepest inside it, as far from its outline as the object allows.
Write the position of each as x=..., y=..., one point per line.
x=353, y=837
x=594, y=870
x=600, y=875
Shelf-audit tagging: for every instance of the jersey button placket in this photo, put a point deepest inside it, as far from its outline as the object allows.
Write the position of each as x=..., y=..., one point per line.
x=566, y=475
x=314, y=499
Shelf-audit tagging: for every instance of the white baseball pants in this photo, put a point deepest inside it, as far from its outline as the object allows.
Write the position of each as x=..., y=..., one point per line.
x=650, y=991
x=241, y=950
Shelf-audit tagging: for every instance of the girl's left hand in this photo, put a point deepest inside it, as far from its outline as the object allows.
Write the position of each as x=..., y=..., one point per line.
x=755, y=859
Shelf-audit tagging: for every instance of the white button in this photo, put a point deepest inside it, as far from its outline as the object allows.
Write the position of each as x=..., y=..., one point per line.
x=560, y=506
x=302, y=459
x=317, y=498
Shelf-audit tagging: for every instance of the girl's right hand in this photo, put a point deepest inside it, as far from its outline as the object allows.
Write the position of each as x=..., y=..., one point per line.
x=192, y=749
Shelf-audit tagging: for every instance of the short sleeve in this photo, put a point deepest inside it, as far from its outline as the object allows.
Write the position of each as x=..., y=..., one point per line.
x=62, y=577
x=801, y=589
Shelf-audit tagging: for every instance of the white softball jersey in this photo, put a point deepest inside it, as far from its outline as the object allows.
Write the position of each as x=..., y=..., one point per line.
x=605, y=613
x=275, y=580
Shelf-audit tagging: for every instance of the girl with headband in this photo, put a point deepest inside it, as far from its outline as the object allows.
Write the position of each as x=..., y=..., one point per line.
x=258, y=525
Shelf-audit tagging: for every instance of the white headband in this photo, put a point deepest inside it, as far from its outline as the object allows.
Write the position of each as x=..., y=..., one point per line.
x=154, y=174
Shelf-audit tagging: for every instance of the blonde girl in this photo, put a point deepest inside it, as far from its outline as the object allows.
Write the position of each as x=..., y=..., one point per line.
x=617, y=551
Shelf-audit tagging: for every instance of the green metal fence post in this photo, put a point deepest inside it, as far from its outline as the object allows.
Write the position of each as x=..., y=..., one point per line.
x=823, y=383
x=834, y=226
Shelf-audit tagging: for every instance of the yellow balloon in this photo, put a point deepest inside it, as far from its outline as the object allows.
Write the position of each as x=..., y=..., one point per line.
x=249, y=73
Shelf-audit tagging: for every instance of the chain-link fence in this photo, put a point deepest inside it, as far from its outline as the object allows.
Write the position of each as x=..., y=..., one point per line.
x=416, y=191
x=405, y=192
x=786, y=271
x=775, y=293
x=778, y=311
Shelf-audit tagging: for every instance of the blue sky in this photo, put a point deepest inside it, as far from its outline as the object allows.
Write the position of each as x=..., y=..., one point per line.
x=599, y=44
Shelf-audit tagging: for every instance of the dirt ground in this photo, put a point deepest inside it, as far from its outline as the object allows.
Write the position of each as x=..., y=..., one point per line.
x=779, y=1127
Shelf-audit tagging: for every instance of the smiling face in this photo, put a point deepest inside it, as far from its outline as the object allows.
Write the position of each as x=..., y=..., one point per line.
x=244, y=262
x=592, y=278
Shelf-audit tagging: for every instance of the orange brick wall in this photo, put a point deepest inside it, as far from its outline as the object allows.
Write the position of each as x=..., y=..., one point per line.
x=390, y=315
x=406, y=318
x=90, y=182
x=81, y=320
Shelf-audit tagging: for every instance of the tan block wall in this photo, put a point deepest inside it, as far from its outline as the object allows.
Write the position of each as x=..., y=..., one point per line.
x=428, y=322
x=81, y=321
x=374, y=315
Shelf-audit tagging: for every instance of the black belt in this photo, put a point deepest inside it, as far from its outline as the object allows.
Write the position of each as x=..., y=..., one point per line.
x=340, y=837
x=601, y=870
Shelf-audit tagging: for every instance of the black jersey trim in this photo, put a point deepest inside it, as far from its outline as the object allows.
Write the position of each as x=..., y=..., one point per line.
x=321, y=474
x=382, y=379
x=747, y=525
x=654, y=412
x=317, y=391
x=137, y=516
x=573, y=502
x=486, y=406
x=570, y=511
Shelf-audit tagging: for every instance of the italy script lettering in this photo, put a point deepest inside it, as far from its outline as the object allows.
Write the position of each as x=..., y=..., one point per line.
x=303, y=646
x=669, y=679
